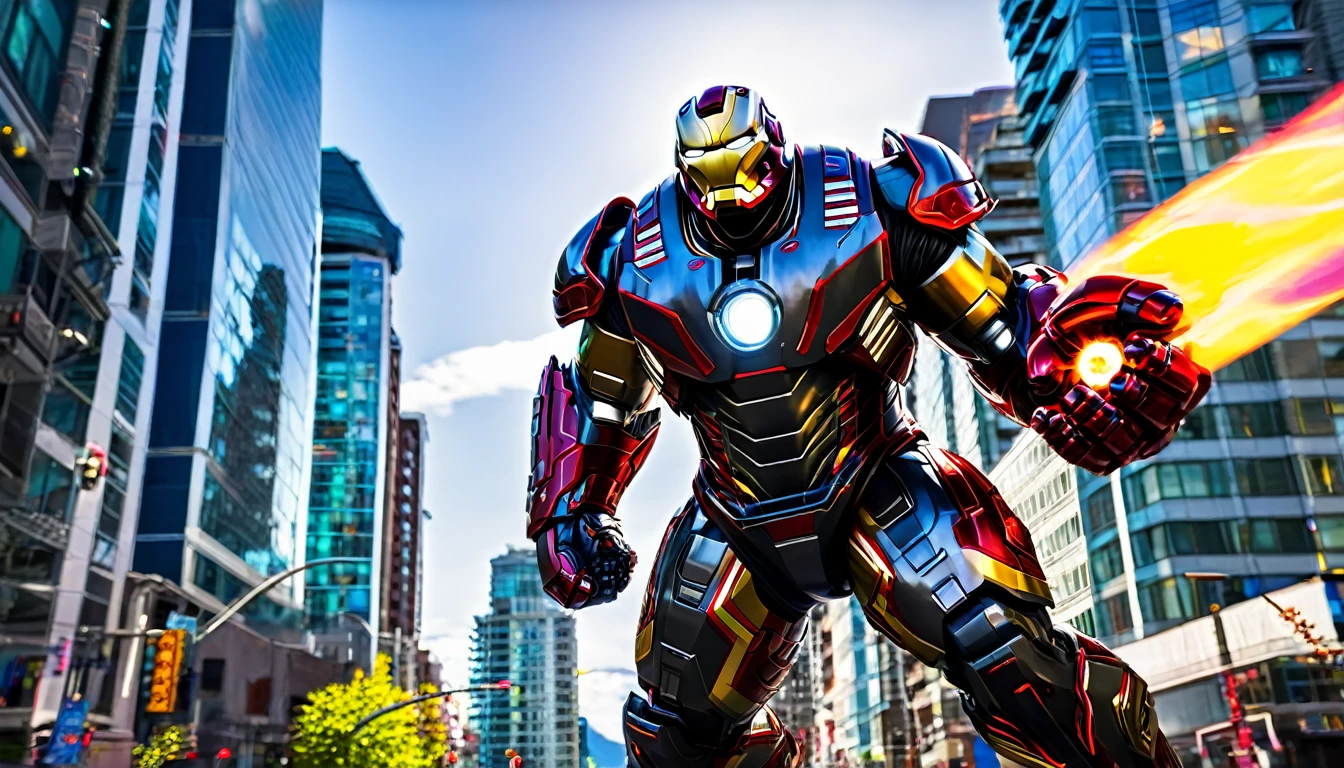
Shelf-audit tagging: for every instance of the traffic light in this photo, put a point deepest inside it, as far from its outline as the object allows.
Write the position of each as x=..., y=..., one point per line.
x=167, y=667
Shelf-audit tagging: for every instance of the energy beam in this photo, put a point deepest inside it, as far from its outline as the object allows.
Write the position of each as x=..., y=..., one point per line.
x=1254, y=248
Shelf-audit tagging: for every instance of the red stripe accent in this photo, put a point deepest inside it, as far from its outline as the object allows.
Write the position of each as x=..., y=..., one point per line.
x=748, y=374
x=701, y=360
x=819, y=297
x=792, y=528
x=843, y=331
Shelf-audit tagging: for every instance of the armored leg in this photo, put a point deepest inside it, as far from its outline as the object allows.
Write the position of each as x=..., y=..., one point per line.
x=710, y=653
x=944, y=568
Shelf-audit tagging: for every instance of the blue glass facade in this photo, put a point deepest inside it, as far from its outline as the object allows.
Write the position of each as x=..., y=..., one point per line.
x=228, y=442
x=360, y=253
x=1125, y=103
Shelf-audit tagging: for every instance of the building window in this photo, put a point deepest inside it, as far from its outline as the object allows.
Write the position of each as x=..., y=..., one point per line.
x=1199, y=424
x=1331, y=531
x=1280, y=535
x=1177, y=480
x=1270, y=17
x=1265, y=477
x=1101, y=510
x=35, y=34
x=1107, y=563
x=128, y=382
x=1254, y=366
x=1315, y=416
x=1113, y=615
x=51, y=486
x=1286, y=62
x=1256, y=420
x=1207, y=81
x=1323, y=474
x=66, y=410
x=1279, y=108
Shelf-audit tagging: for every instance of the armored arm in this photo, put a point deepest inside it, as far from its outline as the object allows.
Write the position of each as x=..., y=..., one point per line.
x=592, y=428
x=1020, y=330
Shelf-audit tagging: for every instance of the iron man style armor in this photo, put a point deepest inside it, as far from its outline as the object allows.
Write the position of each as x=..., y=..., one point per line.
x=769, y=293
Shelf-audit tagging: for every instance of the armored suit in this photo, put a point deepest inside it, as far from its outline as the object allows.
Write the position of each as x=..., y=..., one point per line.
x=769, y=293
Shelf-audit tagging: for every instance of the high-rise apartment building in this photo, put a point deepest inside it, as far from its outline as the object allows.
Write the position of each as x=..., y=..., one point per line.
x=529, y=640
x=227, y=471
x=403, y=574
x=361, y=251
x=1123, y=105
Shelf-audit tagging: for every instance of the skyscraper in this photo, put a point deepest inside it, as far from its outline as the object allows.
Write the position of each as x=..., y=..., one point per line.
x=227, y=467
x=529, y=640
x=361, y=250
x=1123, y=106
x=1129, y=105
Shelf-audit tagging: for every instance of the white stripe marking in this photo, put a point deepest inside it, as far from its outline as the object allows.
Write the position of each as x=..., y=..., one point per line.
x=840, y=223
x=650, y=232
x=842, y=197
x=649, y=246
x=838, y=185
x=848, y=210
x=649, y=261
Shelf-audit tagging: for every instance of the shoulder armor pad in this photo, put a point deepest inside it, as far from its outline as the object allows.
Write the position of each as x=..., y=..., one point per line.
x=588, y=264
x=931, y=182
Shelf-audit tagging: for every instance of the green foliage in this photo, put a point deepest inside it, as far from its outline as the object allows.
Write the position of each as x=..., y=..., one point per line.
x=167, y=743
x=400, y=739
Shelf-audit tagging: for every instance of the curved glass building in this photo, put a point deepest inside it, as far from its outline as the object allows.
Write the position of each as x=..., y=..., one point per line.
x=361, y=250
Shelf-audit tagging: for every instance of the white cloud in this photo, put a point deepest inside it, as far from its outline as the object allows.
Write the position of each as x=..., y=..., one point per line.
x=437, y=386
x=602, y=695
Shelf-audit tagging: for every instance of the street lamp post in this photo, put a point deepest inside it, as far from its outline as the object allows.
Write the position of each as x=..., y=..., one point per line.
x=1245, y=752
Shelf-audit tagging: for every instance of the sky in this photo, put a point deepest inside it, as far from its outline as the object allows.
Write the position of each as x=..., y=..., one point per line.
x=493, y=130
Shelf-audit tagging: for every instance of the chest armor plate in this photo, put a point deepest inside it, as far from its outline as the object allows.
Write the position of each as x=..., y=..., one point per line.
x=820, y=276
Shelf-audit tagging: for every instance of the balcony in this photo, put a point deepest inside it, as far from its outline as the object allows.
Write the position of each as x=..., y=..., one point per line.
x=27, y=338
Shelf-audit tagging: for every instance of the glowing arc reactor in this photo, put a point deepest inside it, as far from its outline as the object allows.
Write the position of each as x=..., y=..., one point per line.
x=747, y=315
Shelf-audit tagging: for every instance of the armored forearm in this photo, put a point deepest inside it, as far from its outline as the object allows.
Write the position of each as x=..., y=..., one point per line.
x=583, y=454
x=590, y=435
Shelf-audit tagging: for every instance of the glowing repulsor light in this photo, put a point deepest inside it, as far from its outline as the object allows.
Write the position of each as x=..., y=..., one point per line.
x=748, y=316
x=1098, y=363
x=1252, y=249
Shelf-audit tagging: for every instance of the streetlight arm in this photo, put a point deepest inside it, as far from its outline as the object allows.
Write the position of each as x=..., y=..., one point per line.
x=417, y=699
x=237, y=605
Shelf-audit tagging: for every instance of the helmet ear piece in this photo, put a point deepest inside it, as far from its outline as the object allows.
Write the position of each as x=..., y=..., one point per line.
x=773, y=130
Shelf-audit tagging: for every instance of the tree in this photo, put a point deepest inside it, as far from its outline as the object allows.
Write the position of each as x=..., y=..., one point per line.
x=323, y=738
x=165, y=744
x=433, y=732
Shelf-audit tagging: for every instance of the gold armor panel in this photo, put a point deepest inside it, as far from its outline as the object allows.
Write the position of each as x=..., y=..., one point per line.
x=610, y=369
x=963, y=300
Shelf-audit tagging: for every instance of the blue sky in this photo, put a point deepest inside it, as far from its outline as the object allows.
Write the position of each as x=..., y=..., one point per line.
x=492, y=130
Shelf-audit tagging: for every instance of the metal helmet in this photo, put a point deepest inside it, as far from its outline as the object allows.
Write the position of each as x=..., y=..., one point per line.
x=730, y=149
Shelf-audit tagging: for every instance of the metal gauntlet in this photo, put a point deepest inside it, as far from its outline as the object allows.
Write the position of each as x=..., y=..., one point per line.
x=584, y=455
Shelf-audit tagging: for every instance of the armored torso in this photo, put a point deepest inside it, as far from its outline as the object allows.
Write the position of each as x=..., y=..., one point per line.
x=786, y=359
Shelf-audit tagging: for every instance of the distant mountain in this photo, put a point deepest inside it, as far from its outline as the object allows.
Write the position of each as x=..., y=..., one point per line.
x=605, y=752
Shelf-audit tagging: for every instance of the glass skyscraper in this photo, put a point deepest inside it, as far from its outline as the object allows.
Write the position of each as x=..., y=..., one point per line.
x=227, y=467
x=361, y=250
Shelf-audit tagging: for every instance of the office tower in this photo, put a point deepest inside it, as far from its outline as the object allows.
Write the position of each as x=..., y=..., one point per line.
x=361, y=251
x=529, y=640
x=226, y=475
x=1122, y=106
x=858, y=689
x=982, y=128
